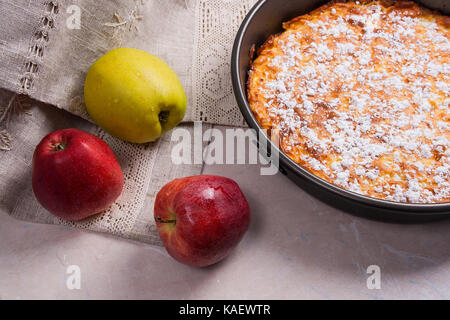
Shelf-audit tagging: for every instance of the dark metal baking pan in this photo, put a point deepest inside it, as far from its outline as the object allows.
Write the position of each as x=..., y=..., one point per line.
x=265, y=19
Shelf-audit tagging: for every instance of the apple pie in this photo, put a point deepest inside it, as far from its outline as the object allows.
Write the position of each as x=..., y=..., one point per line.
x=358, y=93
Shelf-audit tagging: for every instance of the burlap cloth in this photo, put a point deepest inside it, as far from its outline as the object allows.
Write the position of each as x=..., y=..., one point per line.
x=45, y=58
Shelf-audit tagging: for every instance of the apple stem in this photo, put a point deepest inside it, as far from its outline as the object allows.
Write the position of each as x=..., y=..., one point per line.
x=159, y=219
x=58, y=146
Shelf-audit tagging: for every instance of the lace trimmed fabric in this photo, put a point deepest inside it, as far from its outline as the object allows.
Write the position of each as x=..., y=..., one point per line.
x=202, y=57
x=195, y=37
x=217, y=23
x=52, y=67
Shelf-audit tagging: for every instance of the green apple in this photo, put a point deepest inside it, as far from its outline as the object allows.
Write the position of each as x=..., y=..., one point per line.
x=133, y=95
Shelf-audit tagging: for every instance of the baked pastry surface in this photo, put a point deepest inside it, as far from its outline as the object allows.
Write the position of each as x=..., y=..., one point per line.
x=359, y=96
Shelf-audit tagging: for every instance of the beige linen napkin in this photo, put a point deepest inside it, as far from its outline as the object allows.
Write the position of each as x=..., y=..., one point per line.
x=43, y=55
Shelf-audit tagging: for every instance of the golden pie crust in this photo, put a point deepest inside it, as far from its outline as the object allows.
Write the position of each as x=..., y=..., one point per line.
x=359, y=95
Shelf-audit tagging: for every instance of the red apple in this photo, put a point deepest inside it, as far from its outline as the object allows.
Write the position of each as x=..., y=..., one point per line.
x=201, y=219
x=75, y=174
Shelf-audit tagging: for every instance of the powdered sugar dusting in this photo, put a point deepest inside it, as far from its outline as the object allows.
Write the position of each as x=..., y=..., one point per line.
x=360, y=95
